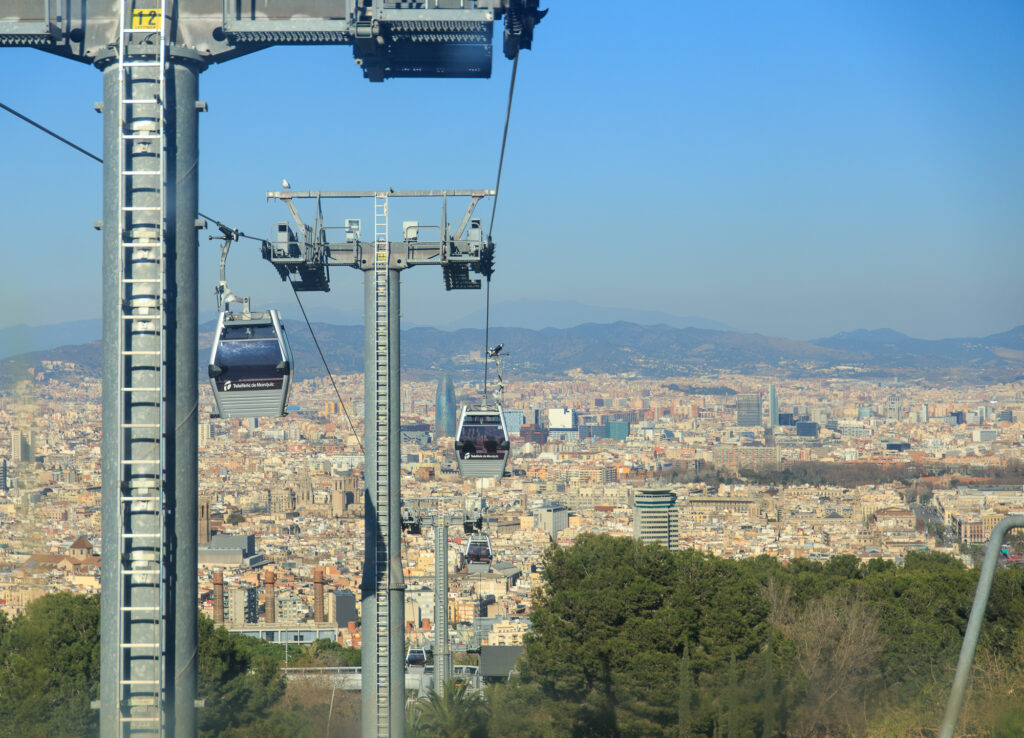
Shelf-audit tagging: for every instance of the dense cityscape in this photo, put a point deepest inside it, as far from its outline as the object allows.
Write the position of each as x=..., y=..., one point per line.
x=283, y=495
x=751, y=464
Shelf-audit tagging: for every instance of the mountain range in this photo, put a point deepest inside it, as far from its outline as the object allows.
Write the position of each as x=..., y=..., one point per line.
x=20, y=339
x=628, y=349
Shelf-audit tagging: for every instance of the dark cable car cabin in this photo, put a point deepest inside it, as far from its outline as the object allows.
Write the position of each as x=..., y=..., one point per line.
x=481, y=442
x=478, y=554
x=250, y=365
x=416, y=657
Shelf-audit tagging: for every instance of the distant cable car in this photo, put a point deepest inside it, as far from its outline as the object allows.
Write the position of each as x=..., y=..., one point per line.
x=250, y=365
x=478, y=553
x=416, y=657
x=481, y=439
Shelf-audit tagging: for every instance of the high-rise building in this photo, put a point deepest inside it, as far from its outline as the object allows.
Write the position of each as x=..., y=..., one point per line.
x=341, y=607
x=656, y=517
x=773, y=407
x=3, y=474
x=444, y=408
x=748, y=410
x=205, y=432
x=562, y=418
x=618, y=430
x=241, y=605
x=21, y=447
x=894, y=408
x=204, y=522
x=514, y=420
x=807, y=429
x=552, y=518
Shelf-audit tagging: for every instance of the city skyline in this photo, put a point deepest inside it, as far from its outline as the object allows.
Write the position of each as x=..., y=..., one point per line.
x=799, y=171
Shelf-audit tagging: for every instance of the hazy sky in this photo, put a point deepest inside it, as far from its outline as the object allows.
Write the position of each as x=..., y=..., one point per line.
x=794, y=169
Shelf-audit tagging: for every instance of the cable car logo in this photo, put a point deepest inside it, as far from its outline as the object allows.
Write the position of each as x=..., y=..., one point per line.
x=240, y=385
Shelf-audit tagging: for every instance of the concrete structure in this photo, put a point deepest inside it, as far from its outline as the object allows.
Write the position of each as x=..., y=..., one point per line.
x=318, y=594
x=238, y=551
x=341, y=607
x=270, y=589
x=218, y=598
x=562, y=419
x=204, y=523
x=552, y=518
x=656, y=517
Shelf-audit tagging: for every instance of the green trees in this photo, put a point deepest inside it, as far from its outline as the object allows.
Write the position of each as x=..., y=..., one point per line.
x=241, y=682
x=50, y=674
x=634, y=640
x=50, y=667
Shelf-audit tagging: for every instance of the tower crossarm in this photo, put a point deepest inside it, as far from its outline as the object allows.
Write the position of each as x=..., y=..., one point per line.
x=305, y=254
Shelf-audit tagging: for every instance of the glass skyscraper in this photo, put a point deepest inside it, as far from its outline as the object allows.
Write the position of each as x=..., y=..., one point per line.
x=444, y=407
x=748, y=410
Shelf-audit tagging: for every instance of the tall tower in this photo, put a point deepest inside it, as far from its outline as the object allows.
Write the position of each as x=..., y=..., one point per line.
x=748, y=410
x=21, y=447
x=444, y=408
x=204, y=522
x=773, y=407
x=894, y=408
x=656, y=517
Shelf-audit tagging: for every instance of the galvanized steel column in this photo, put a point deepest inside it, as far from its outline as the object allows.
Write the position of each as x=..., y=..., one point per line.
x=180, y=429
x=182, y=421
x=382, y=527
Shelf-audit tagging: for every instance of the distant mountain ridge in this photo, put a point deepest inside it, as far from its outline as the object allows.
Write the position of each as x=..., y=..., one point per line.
x=625, y=348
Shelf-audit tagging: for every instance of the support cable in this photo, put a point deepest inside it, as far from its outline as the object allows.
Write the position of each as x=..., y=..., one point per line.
x=46, y=130
x=93, y=156
x=494, y=209
x=316, y=343
x=238, y=234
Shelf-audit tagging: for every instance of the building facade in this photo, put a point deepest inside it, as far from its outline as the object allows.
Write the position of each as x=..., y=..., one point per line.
x=748, y=410
x=444, y=408
x=656, y=517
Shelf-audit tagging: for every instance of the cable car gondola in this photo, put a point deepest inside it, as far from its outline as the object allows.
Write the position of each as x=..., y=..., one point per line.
x=478, y=554
x=250, y=365
x=416, y=657
x=481, y=442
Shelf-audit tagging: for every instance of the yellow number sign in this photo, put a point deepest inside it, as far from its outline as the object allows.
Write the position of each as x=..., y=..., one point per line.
x=146, y=18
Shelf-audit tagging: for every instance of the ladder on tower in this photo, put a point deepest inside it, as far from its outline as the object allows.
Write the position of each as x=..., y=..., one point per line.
x=382, y=387
x=141, y=378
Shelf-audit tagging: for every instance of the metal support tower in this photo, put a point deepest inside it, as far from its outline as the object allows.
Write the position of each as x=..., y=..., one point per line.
x=141, y=449
x=442, y=647
x=383, y=695
x=303, y=255
x=149, y=586
x=151, y=53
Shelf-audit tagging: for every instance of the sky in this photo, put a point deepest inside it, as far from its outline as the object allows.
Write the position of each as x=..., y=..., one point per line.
x=793, y=169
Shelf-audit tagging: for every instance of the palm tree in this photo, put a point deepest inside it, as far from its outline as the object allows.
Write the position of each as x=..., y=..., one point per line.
x=457, y=713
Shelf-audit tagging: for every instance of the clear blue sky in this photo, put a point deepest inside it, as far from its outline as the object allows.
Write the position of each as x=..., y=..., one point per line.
x=794, y=169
